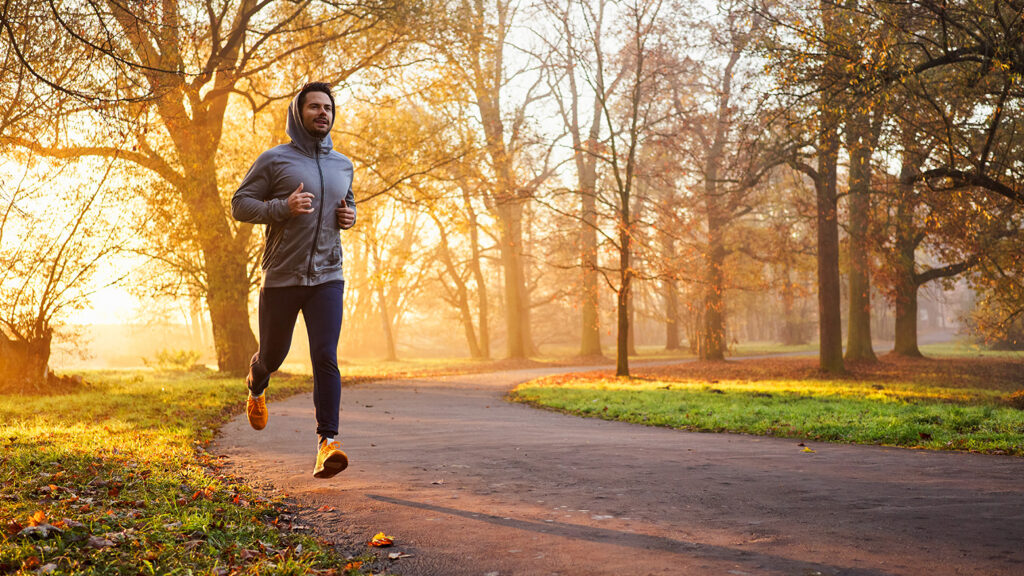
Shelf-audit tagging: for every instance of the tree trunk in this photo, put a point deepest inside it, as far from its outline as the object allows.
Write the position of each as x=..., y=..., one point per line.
x=792, y=323
x=671, y=315
x=476, y=267
x=226, y=266
x=830, y=330
x=461, y=290
x=24, y=365
x=907, y=240
x=511, y=234
x=906, y=322
x=858, y=338
x=385, y=323
x=625, y=277
x=590, y=335
x=714, y=319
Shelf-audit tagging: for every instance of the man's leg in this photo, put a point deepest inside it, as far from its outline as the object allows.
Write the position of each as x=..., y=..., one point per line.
x=322, y=312
x=278, y=309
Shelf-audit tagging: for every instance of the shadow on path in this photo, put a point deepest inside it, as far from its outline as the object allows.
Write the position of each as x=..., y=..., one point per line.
x=642, y=541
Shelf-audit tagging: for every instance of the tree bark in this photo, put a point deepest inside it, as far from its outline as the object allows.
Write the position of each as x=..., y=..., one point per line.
x=858, y=337
x=24, y=365
x=907, y=239
x=226, y=267
x=906, y=320
x=625, y=280
x=714, y=319
x=830, y=329
x=510, y=236
x=590, y=335
x=830, y=333
x=671, y=315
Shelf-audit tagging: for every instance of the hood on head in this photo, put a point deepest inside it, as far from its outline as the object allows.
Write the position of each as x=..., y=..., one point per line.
x=301, y=138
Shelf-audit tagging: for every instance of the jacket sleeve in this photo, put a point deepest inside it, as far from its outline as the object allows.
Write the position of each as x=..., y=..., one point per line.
x=253, y=201
x=350, y=200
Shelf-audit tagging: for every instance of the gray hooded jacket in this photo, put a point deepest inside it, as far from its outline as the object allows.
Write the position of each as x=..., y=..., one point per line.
x=302, y=250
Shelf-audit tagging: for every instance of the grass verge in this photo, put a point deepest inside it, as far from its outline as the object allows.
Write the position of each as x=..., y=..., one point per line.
x=114, y=479
x=959, y=404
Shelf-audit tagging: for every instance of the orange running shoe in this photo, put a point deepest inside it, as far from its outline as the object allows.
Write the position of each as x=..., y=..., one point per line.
x=256, y=411
x=329, y=459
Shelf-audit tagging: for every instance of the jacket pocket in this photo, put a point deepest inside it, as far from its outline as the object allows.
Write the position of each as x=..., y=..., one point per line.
x=334, y=256
x=275, y=238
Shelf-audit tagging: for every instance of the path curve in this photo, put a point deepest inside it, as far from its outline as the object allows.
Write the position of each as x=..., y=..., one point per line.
x=469, y=484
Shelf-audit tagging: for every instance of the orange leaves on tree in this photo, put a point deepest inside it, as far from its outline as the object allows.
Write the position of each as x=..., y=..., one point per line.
x=381, y=540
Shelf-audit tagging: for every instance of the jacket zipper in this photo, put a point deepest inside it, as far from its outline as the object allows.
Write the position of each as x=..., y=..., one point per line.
x=319, y=216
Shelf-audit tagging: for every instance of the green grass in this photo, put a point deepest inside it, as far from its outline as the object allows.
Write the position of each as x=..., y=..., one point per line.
x=962, y=349
x=120, y=467
x=912, y=406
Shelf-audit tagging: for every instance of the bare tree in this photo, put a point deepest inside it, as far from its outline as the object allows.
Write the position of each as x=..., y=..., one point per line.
x=50, y=254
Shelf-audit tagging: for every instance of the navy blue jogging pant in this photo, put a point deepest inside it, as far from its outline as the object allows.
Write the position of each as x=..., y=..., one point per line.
x=321, y=308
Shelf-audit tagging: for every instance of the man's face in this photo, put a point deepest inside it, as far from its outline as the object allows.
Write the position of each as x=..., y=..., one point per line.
x=317, y=114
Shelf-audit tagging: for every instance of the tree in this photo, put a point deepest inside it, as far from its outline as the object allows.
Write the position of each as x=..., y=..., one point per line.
x=473, y=42
x=50, y=256
x=165, y=73
x=567, y=51
x=724, y=143
x=631, y=112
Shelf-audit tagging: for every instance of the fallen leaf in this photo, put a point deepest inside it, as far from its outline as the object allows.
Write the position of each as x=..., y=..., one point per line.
x=381, y=540
x=98, y=543
x=13, y=528
x=397, y=555
x=326, y=508
x=38, y=518
x=806, y=449
x=353, y=565
x=46, y=568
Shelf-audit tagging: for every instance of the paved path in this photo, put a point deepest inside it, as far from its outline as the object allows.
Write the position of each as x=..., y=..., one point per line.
x=472, y=485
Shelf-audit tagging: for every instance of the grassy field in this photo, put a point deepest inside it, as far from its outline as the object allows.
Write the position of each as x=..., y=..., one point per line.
x=114, y=479
x=951, y=403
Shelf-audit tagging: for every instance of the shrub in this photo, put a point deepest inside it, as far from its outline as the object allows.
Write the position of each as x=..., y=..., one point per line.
x=175, y=360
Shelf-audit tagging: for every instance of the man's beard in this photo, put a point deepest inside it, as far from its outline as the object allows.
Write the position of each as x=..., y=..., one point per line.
x=317, y=132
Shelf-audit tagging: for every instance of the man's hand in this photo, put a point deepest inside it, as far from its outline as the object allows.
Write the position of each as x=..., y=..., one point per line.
x=300, y=202
x=346, y=215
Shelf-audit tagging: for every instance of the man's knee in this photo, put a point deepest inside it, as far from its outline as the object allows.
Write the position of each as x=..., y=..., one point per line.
x=324, y=357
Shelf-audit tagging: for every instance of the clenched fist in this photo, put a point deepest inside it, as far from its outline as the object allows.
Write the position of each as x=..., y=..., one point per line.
x=300, y=202
x=346, y=215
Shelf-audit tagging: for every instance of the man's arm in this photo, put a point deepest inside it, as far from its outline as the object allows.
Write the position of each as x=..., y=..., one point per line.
x=252, y=201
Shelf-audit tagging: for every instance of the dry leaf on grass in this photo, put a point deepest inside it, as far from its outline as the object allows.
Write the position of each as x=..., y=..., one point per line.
x=38, y=518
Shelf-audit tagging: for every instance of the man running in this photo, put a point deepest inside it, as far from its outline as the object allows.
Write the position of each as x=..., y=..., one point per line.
x=302, y=191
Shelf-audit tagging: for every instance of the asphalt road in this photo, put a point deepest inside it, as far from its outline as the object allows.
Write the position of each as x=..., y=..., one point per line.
x=469, y=484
